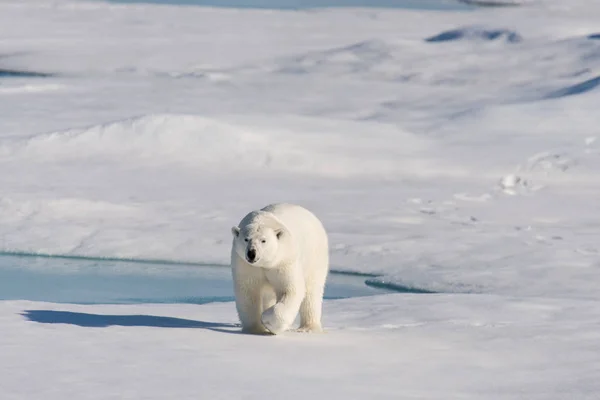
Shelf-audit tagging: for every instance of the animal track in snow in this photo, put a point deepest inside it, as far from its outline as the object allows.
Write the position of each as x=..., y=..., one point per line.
x=530, y=176
x=514, y=184
x=446, y=210
x=548, y=162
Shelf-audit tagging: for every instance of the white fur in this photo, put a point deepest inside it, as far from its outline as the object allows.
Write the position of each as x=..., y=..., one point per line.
x=288, y=273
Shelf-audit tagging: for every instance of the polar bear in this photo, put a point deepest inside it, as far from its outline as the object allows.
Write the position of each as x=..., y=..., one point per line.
x=280, y=262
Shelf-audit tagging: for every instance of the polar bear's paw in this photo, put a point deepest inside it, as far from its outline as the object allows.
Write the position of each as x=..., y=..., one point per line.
x=310, y=329
x=256, y=330
x=273, y=322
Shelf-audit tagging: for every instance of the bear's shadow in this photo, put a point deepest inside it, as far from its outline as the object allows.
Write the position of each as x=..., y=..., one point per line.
x=102, y=321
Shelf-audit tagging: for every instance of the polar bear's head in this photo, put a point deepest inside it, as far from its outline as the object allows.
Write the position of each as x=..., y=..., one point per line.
x=258, y=240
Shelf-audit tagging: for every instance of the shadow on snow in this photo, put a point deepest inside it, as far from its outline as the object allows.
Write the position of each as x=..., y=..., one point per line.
x=102, y=321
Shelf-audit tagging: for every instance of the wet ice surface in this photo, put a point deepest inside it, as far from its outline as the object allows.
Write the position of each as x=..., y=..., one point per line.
x=96, y=281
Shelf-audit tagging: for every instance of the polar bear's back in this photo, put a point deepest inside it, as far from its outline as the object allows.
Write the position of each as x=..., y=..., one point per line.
x=308, y=232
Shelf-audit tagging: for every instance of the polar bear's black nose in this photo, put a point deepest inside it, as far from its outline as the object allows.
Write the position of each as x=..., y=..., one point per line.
x=251, y=255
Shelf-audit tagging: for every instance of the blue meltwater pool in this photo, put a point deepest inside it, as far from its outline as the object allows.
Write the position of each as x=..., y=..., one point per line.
x=104, y=281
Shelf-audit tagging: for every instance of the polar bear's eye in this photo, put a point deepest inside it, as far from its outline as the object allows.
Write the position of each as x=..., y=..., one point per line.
x=246, y=240
x=263, y=241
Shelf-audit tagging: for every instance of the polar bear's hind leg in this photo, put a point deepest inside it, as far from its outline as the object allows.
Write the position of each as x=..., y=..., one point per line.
x=311, y=309
x=310, y=312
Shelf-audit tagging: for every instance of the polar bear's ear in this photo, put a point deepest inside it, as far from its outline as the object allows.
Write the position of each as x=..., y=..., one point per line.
x=279, y=233
x=235, y=231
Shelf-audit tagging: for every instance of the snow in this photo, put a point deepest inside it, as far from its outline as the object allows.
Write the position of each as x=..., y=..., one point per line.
x=446, y=151
x=381, y=347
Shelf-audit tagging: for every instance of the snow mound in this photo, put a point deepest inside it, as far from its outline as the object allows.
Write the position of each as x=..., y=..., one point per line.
x=210, y=144
x=357, y=57
x=476, y=33
x=164, y=137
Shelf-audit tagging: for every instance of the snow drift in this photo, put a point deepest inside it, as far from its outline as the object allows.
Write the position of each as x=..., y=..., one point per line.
x=248, y=144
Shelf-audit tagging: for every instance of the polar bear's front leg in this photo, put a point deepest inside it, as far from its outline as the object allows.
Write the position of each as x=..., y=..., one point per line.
x=249, y=307
x=248, y=286
x=279, y=317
